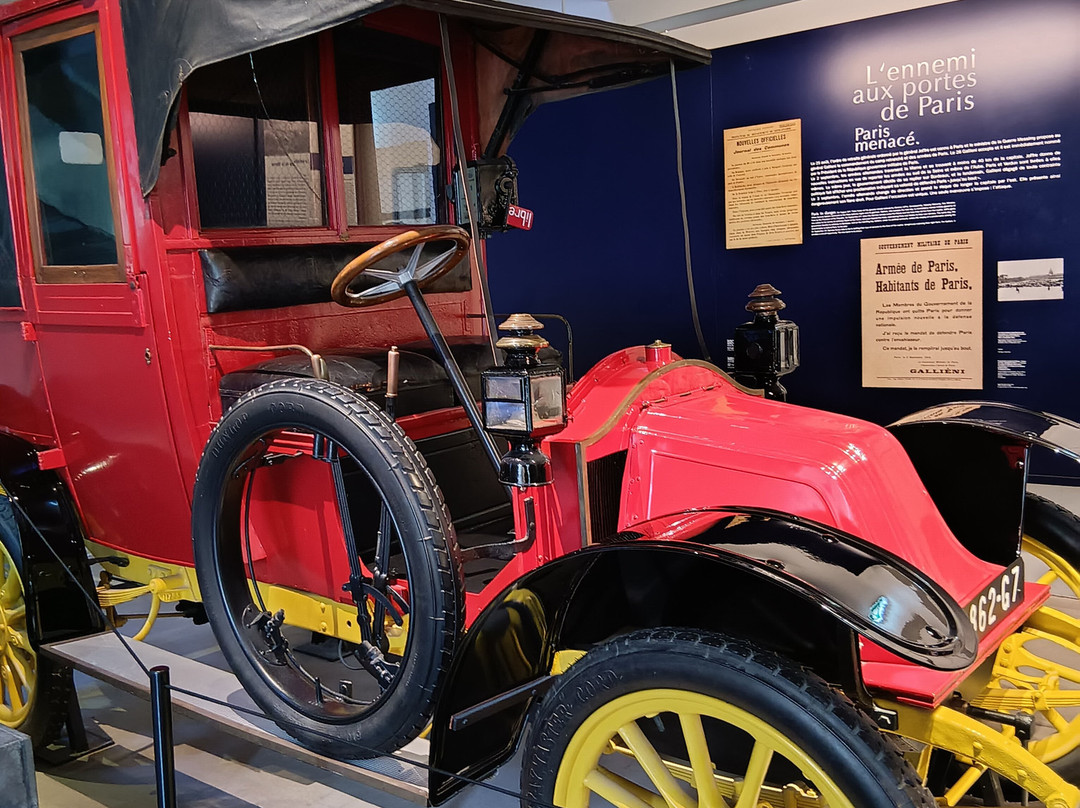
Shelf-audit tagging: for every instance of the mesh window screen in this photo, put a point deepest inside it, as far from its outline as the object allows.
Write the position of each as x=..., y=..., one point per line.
x=256, y=141
x=387, y=94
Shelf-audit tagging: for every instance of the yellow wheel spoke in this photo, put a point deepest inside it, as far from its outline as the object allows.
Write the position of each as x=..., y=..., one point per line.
x=621, y=792
x=1048, y=577
x=654, y=767
x=16, y=639
x=756, y=770
x=1056, y=719
x=14, y=697
x=17, y=667
x=700, y=762
x=10, y=591
x=1058, y=568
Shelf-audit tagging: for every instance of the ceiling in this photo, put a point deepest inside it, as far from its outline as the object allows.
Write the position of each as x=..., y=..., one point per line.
x=729, y=22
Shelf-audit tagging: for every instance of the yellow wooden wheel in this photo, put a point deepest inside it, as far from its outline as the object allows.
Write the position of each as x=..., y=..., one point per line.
x=1037, y=670
x=616, y=728
x=1057, y=568
x=18, y=662
x=688, y=719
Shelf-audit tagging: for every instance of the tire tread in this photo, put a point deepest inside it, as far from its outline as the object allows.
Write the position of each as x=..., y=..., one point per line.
x=401, y=455
x=553, y=720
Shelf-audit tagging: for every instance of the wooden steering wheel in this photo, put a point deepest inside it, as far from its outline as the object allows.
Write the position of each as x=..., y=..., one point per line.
x=394, y=280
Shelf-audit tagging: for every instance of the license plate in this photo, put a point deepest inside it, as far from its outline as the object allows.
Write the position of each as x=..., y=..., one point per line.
x=997, y=599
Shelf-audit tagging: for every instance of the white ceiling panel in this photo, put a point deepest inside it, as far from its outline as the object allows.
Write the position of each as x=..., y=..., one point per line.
x=716, y=24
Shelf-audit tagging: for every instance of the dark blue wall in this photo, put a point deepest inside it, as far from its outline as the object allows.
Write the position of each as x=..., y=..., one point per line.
x=606, y=250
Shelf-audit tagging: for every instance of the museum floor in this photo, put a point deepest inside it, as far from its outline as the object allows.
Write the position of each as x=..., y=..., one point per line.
x=217, y=770
x=214, y=769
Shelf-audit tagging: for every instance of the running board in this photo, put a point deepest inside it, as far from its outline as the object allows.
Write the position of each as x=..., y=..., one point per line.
x=103, y=657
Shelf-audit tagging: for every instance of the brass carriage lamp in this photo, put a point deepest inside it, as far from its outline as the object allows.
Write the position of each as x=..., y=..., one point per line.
x=523, y=401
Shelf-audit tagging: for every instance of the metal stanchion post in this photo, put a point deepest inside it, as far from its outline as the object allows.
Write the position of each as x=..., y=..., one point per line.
x=161, y=715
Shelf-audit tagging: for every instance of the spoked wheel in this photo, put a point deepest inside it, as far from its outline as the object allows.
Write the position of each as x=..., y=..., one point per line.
x=18, y=662
x=326, y=563
x=1038, y=669
x=695, y=720
x=1052, y=536
x=33, y=692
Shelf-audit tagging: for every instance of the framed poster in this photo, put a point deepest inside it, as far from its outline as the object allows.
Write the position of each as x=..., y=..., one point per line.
x=922, y=311
x=763, y=185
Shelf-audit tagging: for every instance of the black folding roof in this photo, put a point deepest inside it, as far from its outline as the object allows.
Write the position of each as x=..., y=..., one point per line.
x=168, y=39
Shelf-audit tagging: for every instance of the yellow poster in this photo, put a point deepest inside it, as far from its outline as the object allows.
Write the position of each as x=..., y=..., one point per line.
x=922, y=311
x=763, y=184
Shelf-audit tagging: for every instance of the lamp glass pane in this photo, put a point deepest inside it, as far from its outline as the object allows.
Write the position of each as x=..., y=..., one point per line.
x=506, y=416
x=547, y=401
x=503, y=388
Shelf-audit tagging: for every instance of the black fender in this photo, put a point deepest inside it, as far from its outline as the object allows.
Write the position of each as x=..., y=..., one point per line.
x=56, y=606
x=798, y=587
x=972, y=458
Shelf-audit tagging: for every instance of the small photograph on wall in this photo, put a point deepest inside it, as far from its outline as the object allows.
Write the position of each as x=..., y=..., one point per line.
x=1037, y=279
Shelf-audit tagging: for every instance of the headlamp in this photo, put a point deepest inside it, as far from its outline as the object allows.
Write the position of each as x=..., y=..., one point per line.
x=523, y=401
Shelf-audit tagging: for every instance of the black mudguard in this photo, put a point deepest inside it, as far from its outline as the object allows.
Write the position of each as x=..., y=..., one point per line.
x=1007, y=420
x=972, y=458
x=36, y=514
x=796, y=586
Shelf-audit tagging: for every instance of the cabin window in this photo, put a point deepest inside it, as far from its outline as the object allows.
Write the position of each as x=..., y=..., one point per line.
x=262, y=124
x=9, y=281
x=387, y=91
x=69, y=168
x=256, y=139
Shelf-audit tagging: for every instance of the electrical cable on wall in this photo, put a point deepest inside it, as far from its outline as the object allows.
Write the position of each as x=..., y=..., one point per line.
x=685, y=218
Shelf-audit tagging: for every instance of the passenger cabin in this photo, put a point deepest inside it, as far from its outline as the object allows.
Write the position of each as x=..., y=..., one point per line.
x=182, y=186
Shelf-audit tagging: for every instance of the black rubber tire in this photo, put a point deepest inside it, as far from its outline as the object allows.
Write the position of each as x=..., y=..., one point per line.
x=863, y=762
x=399, y=473
x=1058, y=529
x=1052, y=525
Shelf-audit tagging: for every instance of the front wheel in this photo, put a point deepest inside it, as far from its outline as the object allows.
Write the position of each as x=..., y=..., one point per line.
x=689, y=719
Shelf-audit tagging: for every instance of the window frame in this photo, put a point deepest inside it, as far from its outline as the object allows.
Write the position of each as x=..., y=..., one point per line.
x=65, y=273
x=337, y=228
x=5, y=189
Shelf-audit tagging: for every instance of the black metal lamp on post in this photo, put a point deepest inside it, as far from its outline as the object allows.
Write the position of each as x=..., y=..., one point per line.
x=524, y=401
x=767, y=347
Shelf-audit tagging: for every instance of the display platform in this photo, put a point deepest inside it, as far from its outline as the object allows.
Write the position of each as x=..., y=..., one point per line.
x=18, y=788
x=104, y=657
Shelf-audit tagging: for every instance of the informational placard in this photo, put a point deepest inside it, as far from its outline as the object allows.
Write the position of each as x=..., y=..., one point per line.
x=922, y=311
x=763, y=184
